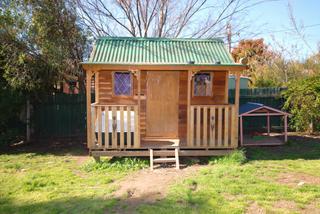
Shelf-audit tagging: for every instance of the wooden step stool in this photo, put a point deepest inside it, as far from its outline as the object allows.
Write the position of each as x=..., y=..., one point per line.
x=173, y=159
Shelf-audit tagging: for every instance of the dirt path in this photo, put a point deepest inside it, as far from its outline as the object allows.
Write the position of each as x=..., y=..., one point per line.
x=146, y=186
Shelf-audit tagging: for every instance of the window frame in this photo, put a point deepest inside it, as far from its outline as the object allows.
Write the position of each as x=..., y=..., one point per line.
x=113, y=84
x=193, y=84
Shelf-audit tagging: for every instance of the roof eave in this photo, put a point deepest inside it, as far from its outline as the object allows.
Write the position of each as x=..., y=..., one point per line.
x=144, y=66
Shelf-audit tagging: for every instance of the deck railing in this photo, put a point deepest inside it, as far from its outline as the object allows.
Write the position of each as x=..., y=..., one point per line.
x=213, y=126
x=115, y=126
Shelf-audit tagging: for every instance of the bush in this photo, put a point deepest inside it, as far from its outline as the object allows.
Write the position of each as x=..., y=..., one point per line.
x=303, y=101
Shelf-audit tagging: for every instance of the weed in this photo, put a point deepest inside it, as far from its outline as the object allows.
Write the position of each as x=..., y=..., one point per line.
x=116, y=164
x=235, y=157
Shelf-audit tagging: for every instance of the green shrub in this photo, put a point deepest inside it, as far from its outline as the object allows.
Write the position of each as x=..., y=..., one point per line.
x=303, y=101
x=117, y=164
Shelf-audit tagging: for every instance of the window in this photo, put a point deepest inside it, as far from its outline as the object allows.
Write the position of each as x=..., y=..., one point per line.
x=202, y=85
x=122, y=83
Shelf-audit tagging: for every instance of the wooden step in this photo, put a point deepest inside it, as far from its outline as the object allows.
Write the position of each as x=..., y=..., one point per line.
x=164, y=160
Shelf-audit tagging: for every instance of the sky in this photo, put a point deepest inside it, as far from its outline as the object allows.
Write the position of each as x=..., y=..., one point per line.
x=272, y=19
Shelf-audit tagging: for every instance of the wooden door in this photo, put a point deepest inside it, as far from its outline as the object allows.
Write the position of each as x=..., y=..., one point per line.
x=162, y=104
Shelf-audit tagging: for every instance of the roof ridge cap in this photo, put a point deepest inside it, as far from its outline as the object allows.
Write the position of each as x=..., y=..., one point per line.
x=160, y=39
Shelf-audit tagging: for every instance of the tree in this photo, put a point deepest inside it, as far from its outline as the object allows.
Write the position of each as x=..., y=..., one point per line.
x=42, y=43
x=163, y=18
x=303, y=101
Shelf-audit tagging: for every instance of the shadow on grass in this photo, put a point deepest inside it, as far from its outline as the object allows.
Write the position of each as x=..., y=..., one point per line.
x=79, y=205
x=58, y=147
x=298, y=147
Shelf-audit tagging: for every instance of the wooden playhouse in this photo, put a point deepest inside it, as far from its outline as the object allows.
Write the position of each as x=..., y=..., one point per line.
x=154, y=94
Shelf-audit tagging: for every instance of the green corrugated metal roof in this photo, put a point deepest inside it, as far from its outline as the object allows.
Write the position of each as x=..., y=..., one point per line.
x=130, y=50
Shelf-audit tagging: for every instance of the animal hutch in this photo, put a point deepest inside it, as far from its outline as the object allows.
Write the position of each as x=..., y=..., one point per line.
x=153, y=94
x=250, y=110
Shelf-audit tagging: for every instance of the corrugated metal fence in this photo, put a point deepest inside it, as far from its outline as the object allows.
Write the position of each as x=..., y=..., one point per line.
x=64, y=115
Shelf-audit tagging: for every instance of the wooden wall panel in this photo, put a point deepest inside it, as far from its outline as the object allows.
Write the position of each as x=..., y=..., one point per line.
x=183, y=93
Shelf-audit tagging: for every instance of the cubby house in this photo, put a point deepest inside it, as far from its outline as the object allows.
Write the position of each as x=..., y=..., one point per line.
x=154, y=94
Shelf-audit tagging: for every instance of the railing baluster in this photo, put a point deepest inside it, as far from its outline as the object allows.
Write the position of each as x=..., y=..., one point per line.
x=106, y=127
x=219, y=126
x=205, y=127
x=136, y=128
x=191, y=127
x=198, y=119
x=212, y=126
x=114, y=127
x=99, y=127
x=128, y=126
x=121, y=128
x=93, y=125
x=226, y=126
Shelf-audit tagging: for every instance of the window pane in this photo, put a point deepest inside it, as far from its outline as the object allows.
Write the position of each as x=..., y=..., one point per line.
x=202, y=85
x=122, y=83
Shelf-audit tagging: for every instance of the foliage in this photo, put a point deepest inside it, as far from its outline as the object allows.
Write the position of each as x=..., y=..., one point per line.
x=303, y=101
x=41, y=43
x=11, y=103
x=117, y=164
x=268, y=68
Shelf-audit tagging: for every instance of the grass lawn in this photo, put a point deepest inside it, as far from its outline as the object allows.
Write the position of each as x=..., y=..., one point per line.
x=273, y=180
x=58, y=183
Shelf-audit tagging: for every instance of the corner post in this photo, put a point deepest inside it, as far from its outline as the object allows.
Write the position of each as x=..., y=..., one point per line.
x=139, y=104
x=88, y=93
x=236, y=102
x=268, y=124
x=189, y=140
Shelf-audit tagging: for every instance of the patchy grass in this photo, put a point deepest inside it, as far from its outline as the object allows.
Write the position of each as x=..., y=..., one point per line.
x=46, y=183
x=282, y=179
x=236, y=184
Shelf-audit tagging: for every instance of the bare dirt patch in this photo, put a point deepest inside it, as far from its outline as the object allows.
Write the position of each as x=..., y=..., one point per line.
x=286, y=205
x=147, y=187
x=254, y=208
x=312, y=208
x=298, y=179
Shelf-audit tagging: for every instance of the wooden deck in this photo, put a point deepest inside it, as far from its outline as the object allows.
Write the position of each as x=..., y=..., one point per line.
x=160, y=152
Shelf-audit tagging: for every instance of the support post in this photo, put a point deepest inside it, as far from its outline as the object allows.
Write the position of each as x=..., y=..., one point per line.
x=236, y=102
x=189, y=140
x=139, y=104
x=88, y=92
x=268, y=124
x=285, y=128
